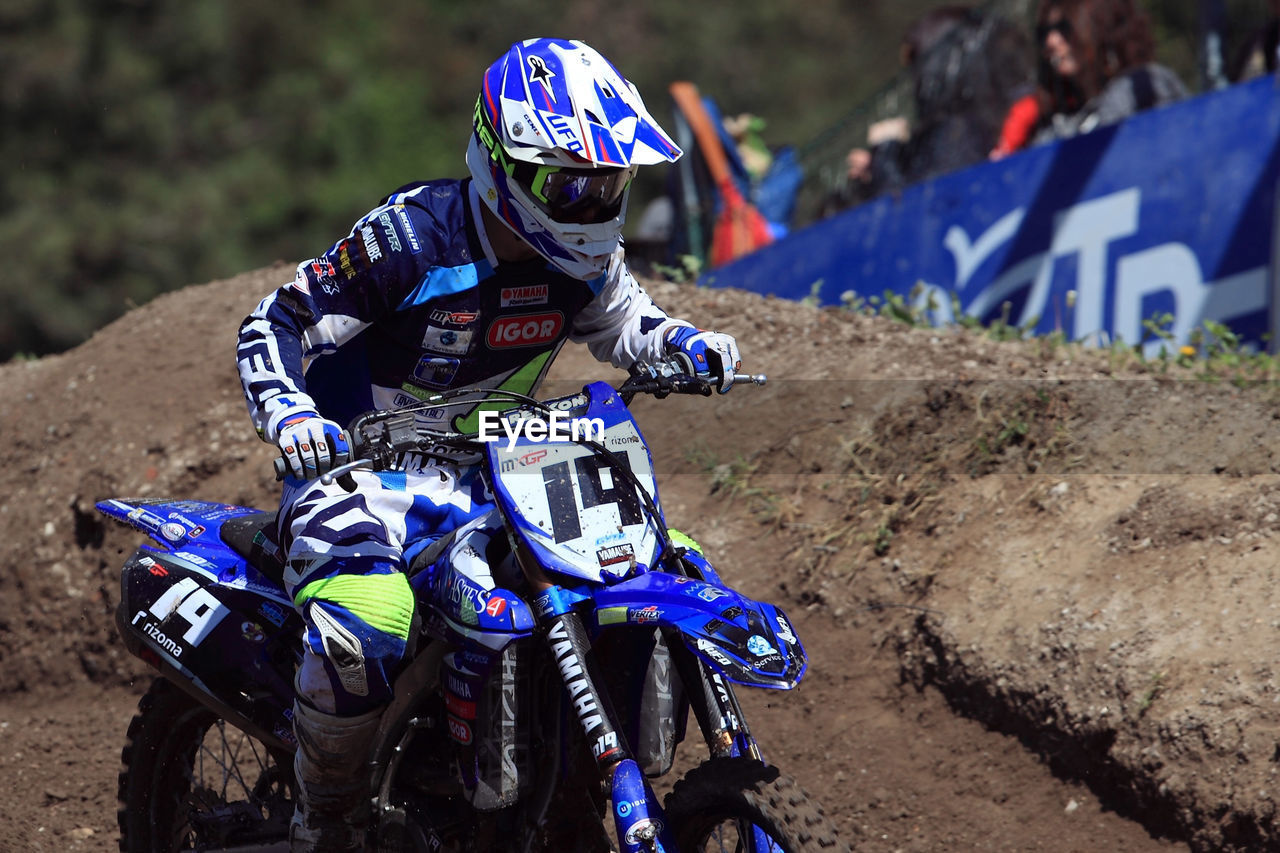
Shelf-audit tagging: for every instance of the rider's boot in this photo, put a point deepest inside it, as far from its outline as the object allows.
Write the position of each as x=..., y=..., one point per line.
x=332, y=769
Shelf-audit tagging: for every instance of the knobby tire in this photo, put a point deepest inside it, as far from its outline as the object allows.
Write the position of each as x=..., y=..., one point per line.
x=728, y=790
x=188, y=780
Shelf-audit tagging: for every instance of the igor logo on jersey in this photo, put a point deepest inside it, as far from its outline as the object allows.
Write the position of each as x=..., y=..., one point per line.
x=525, y=330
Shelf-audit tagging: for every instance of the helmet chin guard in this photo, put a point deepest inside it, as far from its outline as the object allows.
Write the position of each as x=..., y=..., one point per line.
x=557, y=136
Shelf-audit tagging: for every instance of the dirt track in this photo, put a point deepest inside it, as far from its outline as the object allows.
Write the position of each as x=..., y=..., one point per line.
x=1089, y=551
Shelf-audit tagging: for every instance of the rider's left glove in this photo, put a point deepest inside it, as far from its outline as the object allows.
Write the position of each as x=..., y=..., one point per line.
x=312, y=446
x=713, y=354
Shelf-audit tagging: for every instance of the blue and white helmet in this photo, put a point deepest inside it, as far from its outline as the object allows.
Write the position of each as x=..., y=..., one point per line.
x=557, y=136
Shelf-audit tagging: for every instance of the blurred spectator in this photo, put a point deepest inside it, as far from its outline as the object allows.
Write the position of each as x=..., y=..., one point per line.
x=1096, y=68
x=853, y=188
x=1259, y=54
x=744, y=129
x=967, y=67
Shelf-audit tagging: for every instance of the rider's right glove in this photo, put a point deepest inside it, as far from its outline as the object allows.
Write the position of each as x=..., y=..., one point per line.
x=712, y=354
x=312, y=446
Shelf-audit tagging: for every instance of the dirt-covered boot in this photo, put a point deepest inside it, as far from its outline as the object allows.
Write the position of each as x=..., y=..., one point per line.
x=332, y=769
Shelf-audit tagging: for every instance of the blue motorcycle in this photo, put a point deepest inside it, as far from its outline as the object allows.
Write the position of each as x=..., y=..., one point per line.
x=529, y=712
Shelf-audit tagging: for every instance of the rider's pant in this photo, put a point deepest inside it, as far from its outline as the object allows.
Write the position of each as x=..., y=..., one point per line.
x=346, y=557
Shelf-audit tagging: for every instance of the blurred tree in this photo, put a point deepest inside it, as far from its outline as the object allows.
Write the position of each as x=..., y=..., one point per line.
x=150, y=144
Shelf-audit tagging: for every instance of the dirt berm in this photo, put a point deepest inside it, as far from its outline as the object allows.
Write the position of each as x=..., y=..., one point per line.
x=1035, y=582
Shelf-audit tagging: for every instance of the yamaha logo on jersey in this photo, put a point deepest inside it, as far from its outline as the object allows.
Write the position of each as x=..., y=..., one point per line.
x=515, y=297
x=525, y=330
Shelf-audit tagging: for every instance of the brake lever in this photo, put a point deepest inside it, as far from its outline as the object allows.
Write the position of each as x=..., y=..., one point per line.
x=342, y=473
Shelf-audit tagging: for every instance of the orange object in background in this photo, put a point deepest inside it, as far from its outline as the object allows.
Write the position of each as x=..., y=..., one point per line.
x=739, y=228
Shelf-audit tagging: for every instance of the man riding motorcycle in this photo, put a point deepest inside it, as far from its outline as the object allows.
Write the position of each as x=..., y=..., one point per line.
x=447, y=283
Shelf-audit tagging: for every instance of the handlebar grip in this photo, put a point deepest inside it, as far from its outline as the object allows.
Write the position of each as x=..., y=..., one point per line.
x=281, y=467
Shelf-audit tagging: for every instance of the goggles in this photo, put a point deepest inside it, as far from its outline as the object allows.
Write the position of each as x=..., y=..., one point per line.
x=565, y=193
x=578, y=196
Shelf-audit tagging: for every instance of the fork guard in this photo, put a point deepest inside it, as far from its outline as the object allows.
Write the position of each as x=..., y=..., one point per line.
x=749, y=642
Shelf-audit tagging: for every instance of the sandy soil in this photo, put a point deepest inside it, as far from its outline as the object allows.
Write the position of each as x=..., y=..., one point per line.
x=1034, y=581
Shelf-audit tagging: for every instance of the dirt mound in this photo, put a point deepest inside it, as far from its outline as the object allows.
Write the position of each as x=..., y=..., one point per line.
x=1035, y=581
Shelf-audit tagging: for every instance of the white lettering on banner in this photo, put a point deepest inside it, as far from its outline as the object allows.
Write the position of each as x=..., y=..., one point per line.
x=1087, y=228
x=969, y=256
x=1084, y=228
x=558, y=426
x=1174, y=268
x=1087, y=231
x=1170, y=267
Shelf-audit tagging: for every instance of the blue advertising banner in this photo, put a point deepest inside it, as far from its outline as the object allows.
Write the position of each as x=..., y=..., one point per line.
x=1171, y=211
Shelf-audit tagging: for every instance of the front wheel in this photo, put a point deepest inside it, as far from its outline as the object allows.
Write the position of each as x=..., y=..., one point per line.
x=737, y=804
x=191, y=781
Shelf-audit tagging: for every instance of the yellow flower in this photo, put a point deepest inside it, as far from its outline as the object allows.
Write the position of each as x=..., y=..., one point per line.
x=1187, y=350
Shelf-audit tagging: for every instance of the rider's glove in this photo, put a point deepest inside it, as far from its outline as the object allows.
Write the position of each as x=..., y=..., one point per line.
x=712, y=354
x=312, y=446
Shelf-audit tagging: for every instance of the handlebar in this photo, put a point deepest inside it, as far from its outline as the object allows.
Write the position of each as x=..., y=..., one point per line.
x=672, y=377
x=378, y=438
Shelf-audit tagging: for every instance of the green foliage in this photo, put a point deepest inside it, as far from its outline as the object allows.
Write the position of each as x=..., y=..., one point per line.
x=1213, y=351
x=151, y=144
x=687, y=269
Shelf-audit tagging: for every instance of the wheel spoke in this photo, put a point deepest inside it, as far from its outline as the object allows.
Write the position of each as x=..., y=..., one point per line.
x=236, y=787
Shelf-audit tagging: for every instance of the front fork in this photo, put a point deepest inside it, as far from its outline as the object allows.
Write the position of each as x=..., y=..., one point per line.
x=713, y=702
x=638, y=817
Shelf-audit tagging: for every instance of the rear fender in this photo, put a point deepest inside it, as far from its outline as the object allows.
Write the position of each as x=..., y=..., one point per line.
x=234, y=649
x=750, y=642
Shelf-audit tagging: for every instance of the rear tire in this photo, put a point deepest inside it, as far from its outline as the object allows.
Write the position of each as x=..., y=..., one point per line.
x=715, y=805
x=189, y=780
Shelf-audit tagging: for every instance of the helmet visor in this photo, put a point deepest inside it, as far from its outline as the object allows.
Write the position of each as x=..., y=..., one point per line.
x=582, y=196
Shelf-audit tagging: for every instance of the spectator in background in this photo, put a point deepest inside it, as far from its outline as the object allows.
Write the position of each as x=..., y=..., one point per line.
x=744, y=129
x=1261, y=53
x=967, y=67
x=1096, y=68
x=854, y=186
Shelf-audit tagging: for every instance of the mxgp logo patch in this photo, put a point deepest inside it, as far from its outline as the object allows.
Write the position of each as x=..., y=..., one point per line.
x=454, y=318
x=525, y=330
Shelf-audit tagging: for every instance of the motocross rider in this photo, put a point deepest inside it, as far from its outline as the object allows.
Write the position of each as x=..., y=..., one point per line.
x=447, y=283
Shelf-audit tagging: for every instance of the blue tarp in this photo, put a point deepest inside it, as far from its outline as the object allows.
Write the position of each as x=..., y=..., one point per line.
x=1173, y=210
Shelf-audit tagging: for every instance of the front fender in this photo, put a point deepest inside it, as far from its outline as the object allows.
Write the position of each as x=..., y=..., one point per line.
x=750, y=642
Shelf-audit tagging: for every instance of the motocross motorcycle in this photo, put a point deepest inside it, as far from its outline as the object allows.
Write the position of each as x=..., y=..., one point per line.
x=528, y=712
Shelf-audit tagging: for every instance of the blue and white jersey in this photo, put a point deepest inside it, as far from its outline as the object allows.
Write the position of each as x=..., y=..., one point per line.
x=413, y=301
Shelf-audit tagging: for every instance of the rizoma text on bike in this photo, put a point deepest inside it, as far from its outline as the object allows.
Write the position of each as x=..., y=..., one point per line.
x=557, y=426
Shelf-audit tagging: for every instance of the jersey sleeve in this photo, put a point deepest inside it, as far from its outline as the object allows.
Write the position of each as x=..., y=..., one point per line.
x=622, y=325
x=331, y=299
